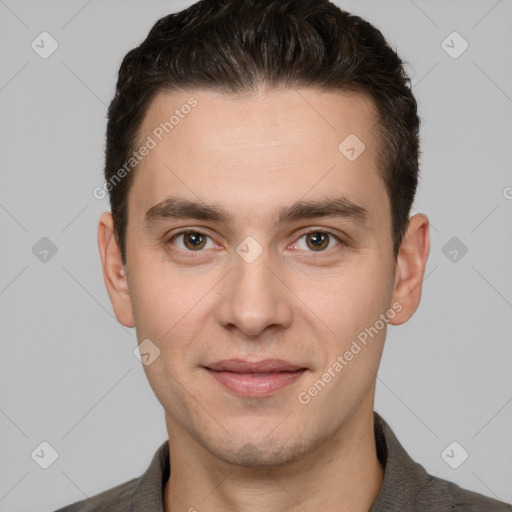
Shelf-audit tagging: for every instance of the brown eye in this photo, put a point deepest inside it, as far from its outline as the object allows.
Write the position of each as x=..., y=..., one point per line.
x=191, y=241
x=317, y=241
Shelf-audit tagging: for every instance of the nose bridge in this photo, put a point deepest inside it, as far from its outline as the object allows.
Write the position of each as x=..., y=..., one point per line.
x=253, y=298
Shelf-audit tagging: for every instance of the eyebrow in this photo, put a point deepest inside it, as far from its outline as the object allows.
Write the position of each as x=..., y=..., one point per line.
x=179, y=208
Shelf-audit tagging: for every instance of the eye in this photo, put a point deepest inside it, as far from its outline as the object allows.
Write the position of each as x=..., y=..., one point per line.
x=192, y=241
x=317, y=241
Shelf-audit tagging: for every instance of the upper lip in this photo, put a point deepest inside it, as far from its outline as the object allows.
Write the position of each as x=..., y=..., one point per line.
x=264, y=366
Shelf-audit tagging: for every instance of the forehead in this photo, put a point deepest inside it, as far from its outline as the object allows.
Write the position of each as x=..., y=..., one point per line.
x=259, y=149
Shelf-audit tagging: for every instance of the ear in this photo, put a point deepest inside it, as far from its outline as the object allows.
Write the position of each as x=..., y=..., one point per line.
x=113, y=272
x=410, y=268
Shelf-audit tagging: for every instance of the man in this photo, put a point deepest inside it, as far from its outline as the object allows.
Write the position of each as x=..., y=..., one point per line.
x=261, y=161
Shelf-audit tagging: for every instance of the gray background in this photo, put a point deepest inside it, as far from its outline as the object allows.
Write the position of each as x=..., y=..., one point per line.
x=69, y=376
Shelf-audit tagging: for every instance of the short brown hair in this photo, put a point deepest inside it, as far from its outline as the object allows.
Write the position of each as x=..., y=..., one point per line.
x=235, y=46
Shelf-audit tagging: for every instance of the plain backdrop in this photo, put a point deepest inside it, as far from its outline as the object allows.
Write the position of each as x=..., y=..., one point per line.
x=68, y=374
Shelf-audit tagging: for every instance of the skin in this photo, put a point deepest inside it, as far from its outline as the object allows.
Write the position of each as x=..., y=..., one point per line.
x=253, y=155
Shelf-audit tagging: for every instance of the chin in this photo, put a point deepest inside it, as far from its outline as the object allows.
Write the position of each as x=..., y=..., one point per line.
x=260, y=453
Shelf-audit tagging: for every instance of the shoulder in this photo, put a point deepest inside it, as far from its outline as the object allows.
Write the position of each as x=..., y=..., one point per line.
x=116, y=499
x=408, y=487
x=142, y=493
x=448, y=496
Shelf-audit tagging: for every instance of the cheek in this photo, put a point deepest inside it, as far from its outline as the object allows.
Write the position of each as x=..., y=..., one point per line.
x=173, y=313
x=160, y=298
x=169, y=384
x=349, y=298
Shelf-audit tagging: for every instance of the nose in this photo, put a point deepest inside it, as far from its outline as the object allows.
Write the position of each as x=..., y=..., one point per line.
x=253, y=297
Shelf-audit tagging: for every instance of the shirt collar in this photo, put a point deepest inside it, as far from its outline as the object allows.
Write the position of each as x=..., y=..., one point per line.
x=148, y=494
x=403, y=477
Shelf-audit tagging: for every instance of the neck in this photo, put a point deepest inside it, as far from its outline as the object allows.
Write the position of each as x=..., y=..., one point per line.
x=343, y=474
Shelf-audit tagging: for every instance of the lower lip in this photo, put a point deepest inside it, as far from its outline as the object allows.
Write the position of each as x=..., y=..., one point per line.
x=255, y=384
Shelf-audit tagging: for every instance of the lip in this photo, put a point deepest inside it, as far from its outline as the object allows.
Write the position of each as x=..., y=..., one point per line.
x=255, y=379
x=264, y=366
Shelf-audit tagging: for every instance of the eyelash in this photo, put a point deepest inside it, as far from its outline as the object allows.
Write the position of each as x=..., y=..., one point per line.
x=304, y=233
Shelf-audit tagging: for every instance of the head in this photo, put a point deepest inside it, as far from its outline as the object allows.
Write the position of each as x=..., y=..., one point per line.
x=283, y=137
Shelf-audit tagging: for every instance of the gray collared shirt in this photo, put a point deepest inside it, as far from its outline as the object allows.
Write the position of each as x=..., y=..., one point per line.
x=407, y=487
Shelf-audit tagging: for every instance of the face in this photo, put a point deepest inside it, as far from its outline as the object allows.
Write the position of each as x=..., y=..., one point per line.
x=289, y=258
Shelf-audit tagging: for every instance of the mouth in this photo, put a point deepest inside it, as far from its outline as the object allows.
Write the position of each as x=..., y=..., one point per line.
x=255, y=379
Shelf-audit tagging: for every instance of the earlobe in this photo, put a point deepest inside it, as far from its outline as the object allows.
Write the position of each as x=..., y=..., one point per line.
x=410, y=267
x=114, y=273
